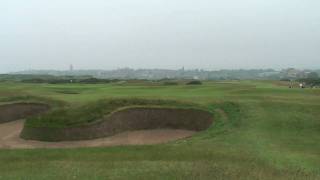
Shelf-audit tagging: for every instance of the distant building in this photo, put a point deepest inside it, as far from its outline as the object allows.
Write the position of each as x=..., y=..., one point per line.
x=292, y=73
x=71, y=67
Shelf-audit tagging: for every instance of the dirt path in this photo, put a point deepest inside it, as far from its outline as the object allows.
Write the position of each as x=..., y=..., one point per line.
x=9, y=138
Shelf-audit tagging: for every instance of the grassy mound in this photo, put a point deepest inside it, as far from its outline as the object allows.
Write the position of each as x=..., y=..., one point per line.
x=108, y=117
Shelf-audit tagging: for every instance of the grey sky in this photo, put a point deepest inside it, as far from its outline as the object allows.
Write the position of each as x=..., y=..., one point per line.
x=209, y=34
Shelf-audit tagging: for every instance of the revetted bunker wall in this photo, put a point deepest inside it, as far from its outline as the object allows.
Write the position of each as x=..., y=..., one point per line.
x=135, y=118
x=11, y=112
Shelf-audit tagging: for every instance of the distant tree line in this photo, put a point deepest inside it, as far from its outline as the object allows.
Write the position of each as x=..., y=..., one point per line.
x=68, y=80
x=194, y=82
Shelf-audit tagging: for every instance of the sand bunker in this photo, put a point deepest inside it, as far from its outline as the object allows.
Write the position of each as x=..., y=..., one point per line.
x=9, y=138
x=124, y=120
x=127, y=126
x=11, y=112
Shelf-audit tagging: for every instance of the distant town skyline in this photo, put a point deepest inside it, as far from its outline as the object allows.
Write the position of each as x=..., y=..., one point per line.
x=71, y=67
x=181, y=73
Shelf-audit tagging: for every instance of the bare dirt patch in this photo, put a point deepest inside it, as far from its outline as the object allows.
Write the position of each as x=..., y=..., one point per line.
x=9, y=138
x=11, y=112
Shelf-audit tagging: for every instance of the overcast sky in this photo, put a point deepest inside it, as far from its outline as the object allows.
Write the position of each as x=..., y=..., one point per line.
x=109, y=34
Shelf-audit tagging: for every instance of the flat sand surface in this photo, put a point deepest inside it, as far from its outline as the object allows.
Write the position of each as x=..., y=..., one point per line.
x=9, y=138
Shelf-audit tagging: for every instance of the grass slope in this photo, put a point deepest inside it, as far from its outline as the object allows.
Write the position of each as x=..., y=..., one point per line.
x=262, y=131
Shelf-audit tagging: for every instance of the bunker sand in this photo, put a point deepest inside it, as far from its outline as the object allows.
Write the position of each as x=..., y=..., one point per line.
x=9, y=138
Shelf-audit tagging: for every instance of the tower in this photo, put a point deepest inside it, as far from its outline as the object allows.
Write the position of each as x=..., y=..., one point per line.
x=71, y=67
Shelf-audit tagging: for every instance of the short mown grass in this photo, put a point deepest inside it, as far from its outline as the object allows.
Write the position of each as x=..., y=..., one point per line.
x=260, y=131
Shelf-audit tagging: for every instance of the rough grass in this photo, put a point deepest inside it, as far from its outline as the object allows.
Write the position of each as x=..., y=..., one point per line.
x=267, y=132
x=31, y=99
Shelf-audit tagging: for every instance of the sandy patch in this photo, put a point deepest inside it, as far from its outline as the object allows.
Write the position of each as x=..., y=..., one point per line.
x=9, y=138
x=11, y=112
